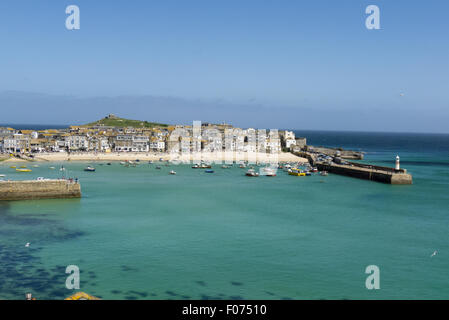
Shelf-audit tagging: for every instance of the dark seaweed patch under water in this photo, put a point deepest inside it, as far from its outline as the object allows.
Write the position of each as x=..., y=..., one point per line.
x=21, y=269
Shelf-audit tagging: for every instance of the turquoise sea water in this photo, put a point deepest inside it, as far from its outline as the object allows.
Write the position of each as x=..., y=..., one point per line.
x=140, y=233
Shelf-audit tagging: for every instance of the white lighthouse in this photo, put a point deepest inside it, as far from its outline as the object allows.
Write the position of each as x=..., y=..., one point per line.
x=397, y=167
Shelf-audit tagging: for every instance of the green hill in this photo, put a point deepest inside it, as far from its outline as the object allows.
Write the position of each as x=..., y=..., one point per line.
x=113, y=121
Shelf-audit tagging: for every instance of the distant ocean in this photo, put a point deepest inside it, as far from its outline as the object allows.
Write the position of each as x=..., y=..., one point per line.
x=378, y=141
x=140, y=233
x=34, y=126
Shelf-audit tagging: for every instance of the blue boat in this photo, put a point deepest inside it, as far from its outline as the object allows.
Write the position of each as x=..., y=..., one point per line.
x=209, y=171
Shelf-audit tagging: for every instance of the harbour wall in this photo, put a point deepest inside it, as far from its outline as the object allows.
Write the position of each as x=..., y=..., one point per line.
x=344, y=154
x=39, y=189
x=368, y=172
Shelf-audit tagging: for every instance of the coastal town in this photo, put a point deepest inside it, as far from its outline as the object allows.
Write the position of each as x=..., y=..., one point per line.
x=118, y=139
x=116, y=135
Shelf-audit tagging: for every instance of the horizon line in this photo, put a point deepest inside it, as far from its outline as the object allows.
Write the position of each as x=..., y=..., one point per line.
x=281, y=129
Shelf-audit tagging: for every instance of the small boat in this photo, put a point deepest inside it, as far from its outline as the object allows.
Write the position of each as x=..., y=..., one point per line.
x=52, y=168
x=2, y=175
x=269, y=172
x=296, y=172
x=35, y=166
x=252, y=173
x=323, y=173
x=314, y=169
x=23, y=167
x=150, y=162
x=23, y=170
x=89, y=169
x=122, y=163
x=157, y=167
x=205, y=166
x=62, y=168
x=209, y=171
x=196, y=166
x=108, y=163
x=137, y=160
x=242, y=166
x=172, y=172
x=13, y=167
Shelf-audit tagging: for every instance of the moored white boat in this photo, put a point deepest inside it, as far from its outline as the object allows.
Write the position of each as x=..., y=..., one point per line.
x=267, y=171
x=252, y=173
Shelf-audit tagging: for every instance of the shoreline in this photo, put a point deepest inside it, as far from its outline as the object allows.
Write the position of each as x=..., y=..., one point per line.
x=143, y=156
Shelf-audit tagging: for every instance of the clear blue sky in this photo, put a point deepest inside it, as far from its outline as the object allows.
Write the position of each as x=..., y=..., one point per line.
x=296, y=64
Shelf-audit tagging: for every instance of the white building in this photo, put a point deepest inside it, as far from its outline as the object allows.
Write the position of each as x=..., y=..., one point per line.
x=99, y=144
x=157, y=145
x=60, y=145
x=289, y=143
x=131, y=143
x=77, y=142
x=17, y=143
x=289, y=138
x=289, y=135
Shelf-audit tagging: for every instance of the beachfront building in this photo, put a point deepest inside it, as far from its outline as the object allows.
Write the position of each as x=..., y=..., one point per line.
x=234, y=140
x=250, y=140
x=38, y=145
x=104, y=145
x=18, y=143
x=123, y=143
x=77, y=142
x=288, y=139
x=131, y=143
x=273, y=143
x=212, y=140
x=99, y=145
x=157, y=145
x=58, y=145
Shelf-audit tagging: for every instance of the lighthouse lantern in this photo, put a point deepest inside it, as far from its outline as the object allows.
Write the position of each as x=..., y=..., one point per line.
x=397, y=167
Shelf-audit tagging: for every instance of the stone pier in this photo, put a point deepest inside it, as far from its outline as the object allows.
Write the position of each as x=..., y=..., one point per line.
x=39, y=189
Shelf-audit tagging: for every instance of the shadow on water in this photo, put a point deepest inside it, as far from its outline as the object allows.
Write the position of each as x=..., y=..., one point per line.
x=21, y=268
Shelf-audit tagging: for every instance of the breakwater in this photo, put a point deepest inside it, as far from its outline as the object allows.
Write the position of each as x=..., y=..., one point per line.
x=39, y=189
x=368, y=172
x=344, y=154
x=360, y=170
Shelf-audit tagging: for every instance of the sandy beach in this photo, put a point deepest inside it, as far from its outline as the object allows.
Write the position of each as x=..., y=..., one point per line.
x=143, y=156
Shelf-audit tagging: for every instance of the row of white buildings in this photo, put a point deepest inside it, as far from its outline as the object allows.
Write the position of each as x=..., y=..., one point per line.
x=182, y=138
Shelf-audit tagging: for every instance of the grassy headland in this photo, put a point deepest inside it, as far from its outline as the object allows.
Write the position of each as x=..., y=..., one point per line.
x=121, y=122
